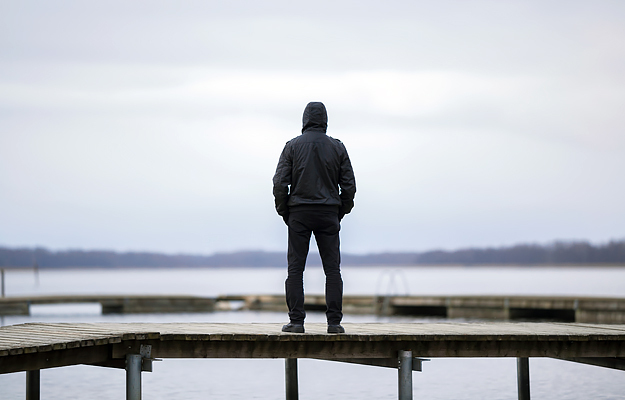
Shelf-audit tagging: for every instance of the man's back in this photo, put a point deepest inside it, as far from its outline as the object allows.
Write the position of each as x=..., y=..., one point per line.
x=312, y=168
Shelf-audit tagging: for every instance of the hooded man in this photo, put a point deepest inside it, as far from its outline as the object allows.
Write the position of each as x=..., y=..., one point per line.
x=314, y=187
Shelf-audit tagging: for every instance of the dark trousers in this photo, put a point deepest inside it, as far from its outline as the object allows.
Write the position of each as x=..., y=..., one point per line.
x=325, y=225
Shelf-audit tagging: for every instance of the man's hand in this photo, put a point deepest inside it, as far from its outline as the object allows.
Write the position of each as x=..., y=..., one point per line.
x=286, y=219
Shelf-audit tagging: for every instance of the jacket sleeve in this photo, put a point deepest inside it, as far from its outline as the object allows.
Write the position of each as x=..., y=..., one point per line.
x=282, y=181
x=347, y=183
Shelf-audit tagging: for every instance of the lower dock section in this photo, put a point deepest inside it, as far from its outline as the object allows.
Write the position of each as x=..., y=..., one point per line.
x=505, y=308
x=134, y=346
x=114, y=304
x=565, y=309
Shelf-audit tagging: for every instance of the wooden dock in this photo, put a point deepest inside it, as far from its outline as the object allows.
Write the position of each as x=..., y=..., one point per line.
x=35, y=346
x=603, y=310
x=506, y=308
x=114, y=304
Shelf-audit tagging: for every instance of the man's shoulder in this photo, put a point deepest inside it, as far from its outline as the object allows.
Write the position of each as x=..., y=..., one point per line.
x=337, y=144
x=292, y=142
x=335, y=140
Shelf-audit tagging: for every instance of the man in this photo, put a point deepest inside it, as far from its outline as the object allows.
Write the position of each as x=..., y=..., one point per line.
x=314, y=188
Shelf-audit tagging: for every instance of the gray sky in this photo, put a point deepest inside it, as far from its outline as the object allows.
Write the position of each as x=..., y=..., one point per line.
x=142, y=125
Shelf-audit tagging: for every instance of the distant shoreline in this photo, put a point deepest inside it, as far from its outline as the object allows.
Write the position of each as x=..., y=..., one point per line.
x=556, y=254
x=416, y=266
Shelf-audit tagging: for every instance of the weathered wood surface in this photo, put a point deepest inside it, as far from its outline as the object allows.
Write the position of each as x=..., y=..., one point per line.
x=45, y=345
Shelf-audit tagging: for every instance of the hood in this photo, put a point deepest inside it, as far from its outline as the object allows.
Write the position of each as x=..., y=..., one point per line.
x=315, y=117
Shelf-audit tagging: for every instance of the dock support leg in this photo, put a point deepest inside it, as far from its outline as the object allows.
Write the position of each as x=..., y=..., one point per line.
x=523, y=377
x=33, y=385
x=290, y=369
x=405, y=375
x=133, y=377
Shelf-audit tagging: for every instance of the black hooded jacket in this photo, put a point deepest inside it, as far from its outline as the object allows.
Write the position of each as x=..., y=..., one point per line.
x=314, y=171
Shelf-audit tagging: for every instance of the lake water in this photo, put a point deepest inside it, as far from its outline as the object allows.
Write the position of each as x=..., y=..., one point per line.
x=194, y=379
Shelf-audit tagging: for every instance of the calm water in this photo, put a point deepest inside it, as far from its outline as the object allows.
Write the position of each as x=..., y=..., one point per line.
x=196, y=379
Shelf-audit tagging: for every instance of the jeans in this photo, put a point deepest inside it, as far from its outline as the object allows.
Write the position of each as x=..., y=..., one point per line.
x=325, y=226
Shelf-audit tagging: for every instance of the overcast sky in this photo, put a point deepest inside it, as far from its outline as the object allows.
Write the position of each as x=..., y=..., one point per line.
x=145, y=125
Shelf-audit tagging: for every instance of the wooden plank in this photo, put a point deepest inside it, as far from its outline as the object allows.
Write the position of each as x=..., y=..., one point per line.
x=619, y=328
x=94, y=331
x=13, y=339
x=69, y=329
x=444, y=331
x=46, y=335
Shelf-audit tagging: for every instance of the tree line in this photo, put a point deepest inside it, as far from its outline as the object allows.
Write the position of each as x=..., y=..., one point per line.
x=557, y=253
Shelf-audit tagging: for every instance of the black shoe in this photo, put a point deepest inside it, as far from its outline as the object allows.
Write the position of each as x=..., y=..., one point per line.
x=336, y=329
x=294, y=328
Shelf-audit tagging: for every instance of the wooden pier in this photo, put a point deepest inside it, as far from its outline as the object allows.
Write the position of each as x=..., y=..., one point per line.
x=133, y=346
x=114, y=304
x=505, y=308
x=603, y=310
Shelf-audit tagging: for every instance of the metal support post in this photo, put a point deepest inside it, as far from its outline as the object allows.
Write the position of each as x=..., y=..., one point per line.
x=33, y=385
x=133, y=377
x=292, y=390
x=405, y=375
x=2, y=280
x=523, y=377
